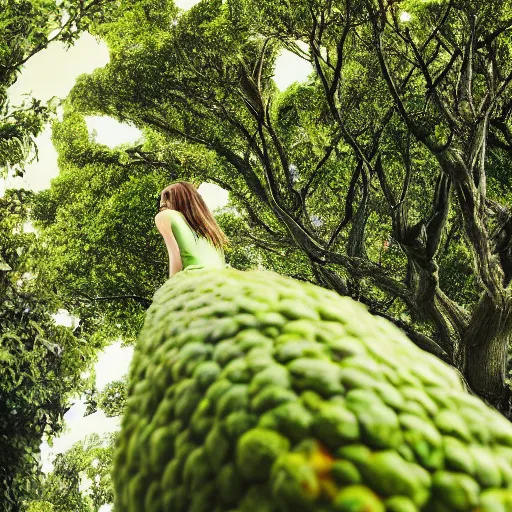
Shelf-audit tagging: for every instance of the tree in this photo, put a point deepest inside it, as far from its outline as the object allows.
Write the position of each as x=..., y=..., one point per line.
x=447, y=74
x=111, y=400
x=26, y=28
x=375, y=173
x=104, y=256
x=80, y=480
x=41, y=363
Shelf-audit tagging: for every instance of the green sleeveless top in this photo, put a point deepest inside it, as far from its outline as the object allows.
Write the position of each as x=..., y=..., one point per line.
x=195, y=251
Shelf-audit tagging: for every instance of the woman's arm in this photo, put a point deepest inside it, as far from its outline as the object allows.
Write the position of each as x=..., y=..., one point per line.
x=163, y=223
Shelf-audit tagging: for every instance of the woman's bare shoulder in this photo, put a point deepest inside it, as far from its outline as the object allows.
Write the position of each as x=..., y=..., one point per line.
x=166, y=214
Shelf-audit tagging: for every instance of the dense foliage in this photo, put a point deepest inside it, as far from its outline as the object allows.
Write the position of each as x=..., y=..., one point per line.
x=111, y=400
x=26, y=28
x=40, y=362
x=97, y=221
x=80, y=480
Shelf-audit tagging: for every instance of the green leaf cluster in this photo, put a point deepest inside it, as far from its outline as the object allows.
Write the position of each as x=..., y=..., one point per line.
x=41, y=363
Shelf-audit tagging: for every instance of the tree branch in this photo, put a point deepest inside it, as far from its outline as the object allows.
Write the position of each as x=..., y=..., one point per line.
x=316, y=172
x=348, y=205
x=137, y=298
x=419, y=339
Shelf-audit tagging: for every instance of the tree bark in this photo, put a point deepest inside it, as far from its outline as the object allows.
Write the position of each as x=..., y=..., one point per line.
x=486, y=343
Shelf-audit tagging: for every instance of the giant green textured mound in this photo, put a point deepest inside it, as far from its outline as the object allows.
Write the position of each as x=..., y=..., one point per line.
x=251, y=392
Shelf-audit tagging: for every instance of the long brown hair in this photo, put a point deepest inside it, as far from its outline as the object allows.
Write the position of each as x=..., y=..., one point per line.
x=183, y=197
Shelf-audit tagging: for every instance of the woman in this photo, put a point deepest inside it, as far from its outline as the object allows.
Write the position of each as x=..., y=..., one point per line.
x=192, y=237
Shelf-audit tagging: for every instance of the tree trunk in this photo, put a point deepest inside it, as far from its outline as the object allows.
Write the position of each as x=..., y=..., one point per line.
x=485, y=372
x=486, y=352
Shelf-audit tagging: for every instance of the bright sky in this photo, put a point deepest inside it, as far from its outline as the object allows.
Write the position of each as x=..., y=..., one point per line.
x=51, y=73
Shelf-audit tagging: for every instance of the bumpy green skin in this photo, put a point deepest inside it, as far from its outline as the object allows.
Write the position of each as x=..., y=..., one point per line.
x=251, y=392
